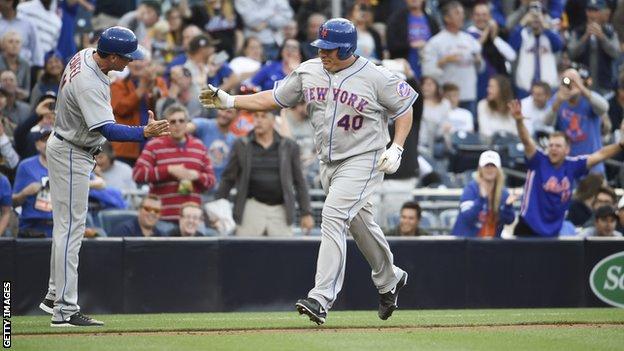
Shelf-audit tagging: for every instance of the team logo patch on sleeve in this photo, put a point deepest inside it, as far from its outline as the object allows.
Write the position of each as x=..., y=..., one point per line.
x=403, y=89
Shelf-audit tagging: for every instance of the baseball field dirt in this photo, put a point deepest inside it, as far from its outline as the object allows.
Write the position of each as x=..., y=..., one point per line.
x=502, y=329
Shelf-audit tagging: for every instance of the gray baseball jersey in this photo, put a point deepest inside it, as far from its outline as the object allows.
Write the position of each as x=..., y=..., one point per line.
x=83, y=102
x=349, y=109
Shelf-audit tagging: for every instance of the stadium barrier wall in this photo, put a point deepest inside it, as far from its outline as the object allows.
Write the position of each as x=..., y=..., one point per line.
x=136, y=275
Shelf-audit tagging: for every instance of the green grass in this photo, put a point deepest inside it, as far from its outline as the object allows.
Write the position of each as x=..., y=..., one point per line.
x=342, y=331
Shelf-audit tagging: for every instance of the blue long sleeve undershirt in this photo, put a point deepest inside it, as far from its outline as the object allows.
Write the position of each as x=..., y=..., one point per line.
x=120, y=132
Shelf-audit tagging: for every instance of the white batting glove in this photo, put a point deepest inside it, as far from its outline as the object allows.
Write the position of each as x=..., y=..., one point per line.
x=212, y=97
x=390, y=160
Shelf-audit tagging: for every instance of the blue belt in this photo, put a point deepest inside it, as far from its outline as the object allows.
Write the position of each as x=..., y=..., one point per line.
x=94, y=150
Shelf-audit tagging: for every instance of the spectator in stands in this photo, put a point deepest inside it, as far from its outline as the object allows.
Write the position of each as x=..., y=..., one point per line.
x=576, y=111
x=620, y=224
x=535, y=107
x=580, y=210
x=595, y=44
x=537, y=45
x=11, y=60
x=313, y=23
x=368, y=39
x=189, y=223
x=45, y=18
x=435, y=113
x=550, y=9
x=495, y=51
x=550, y=179
x=265, y=21
x=493, y=113
x=458, y=119
x=296, y=124
x=454, y=56
x=485, y=205
x=616, y=106
x=289, y=58
x=188, y=33
x=31, y=51
x=219, y=20
x=605, y=222
x=219, y=72
x=50, y=79
x=115, y=173
x=6, y=204
x=27, y=133
x=8, y=156
x=290, y=30
x=18, y=111
x=182, y=91
x=31, y=191
x=408, y=30
x=216, y=136
x=201, y=48
x=173, y=39
x=132, y=97
x=409, y=221
x=266, y=170
x=177, y=166
x=141, y=20
x=145, y=222
x=247, y=64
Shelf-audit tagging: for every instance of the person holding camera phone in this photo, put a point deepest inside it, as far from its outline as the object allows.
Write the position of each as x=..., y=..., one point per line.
x=537, y=45
x=576, y=111
x=27, y=133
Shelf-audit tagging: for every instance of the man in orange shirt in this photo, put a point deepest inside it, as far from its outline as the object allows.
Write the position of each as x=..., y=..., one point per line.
x=131, y=98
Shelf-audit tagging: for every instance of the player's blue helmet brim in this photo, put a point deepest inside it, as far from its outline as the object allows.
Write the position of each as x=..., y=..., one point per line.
x=337, y=33
x=120, y=41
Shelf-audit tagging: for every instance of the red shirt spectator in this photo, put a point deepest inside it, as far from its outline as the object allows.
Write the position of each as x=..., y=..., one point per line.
x=177, y=166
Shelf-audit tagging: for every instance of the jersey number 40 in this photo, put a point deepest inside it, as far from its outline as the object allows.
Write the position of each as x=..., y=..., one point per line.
x=353, y=122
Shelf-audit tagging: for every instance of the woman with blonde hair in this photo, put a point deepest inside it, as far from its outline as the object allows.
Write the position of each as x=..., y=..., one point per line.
x=485, y=205
x=219, y=19
x=492, y=112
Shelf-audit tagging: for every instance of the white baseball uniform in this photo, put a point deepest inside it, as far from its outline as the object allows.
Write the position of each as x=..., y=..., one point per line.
x=349, y=110
x=83, y=104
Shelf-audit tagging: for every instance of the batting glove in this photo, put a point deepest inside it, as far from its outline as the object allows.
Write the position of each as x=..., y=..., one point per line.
x=212, y=97
x=390, y=159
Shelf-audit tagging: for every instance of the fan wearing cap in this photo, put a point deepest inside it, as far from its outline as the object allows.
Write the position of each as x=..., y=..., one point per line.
x=485, y=205
x=49, y=80
x=43, y=118
x=551, y=178
x=605, y=222
x=84, y=120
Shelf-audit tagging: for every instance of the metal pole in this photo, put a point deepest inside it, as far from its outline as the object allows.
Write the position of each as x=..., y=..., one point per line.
x=336, y=8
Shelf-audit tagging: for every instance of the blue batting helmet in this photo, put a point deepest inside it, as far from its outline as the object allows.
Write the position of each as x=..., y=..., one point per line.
x=337, y=33
x=120, y=41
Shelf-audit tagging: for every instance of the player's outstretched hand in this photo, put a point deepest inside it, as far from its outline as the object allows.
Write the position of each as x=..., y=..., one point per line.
x=212, y=97
x=390, y=160
x=155, y=128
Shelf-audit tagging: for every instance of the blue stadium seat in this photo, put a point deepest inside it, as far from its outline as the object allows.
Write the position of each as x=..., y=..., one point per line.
x=110, y=218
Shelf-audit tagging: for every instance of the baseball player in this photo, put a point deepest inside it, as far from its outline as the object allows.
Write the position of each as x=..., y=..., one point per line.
x=349, y=100
x=84, y=120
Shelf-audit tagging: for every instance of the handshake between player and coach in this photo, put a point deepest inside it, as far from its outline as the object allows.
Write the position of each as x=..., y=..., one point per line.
x=213, y=97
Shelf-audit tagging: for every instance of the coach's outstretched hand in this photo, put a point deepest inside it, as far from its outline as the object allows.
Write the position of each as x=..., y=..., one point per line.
x=390, y=160
x=212, y=97
x=155, y=128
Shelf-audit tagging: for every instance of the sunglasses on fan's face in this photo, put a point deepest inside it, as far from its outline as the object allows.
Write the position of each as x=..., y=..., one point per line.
x=153, y=210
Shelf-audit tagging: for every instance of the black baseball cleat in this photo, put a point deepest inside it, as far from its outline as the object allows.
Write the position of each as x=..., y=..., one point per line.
x=388, y=301
x=78, y=320
x=312, y=309
x=47, y=306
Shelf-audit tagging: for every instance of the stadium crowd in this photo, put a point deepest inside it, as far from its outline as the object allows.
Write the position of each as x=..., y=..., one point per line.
x=469, y=60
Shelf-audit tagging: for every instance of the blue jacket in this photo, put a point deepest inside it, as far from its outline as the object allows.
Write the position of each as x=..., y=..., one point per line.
x=472, y=207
